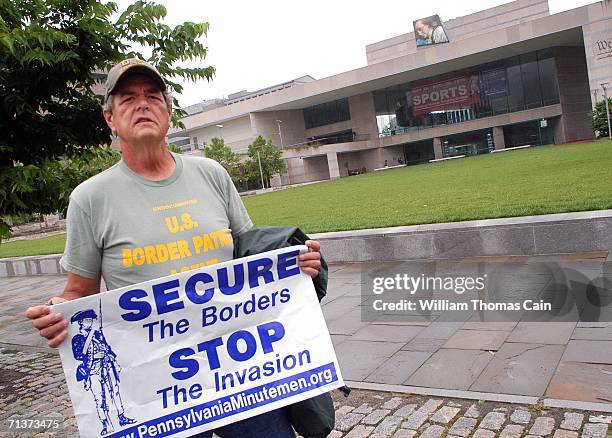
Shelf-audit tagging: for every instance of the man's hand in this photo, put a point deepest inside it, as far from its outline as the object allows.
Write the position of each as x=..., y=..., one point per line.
x=310, y=261
x=52, y=326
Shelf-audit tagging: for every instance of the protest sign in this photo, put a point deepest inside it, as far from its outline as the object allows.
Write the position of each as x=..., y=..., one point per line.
x=197, y=350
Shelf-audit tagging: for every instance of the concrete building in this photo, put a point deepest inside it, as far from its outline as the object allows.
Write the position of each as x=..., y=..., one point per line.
x=508, y=76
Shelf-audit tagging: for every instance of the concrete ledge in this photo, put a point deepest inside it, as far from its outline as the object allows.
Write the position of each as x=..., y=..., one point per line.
x=438, y=392
x=571, y=404
x=530, y=235
x=34, y=265
x=563, y=233
x=486, y=396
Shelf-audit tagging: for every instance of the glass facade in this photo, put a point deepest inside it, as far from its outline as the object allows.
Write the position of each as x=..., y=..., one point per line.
x=513, y=84
x=468, y=143
x=327, y=113
x=535, y=132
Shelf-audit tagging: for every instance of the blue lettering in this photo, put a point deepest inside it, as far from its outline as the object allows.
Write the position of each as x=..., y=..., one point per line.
x=163, y=297
x=211, y=352
x=192, y=291
x=232, y=345
x=129, y=301
x=179, y=359
x=285, y=261
x=209, y=316
x=224, y=286
x=260, y=268
x=269, y=333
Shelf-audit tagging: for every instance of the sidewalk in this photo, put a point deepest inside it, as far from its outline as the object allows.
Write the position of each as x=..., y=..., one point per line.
x=422, y=378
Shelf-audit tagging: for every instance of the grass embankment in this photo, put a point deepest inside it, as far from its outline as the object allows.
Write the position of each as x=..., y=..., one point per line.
x=548, y=179
x=44, y=245
x=543, y=180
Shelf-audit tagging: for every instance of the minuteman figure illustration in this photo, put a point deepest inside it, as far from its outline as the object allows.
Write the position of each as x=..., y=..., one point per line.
x=99, y=370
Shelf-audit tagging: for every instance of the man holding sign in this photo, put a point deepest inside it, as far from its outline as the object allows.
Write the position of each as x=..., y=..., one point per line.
x=153, y=214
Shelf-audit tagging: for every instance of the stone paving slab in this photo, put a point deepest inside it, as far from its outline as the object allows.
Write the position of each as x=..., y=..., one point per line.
x=582, y=381
x=542, y=332
x=356, y=365
x=399, y=367
x=520, y=369
x=477, y=340
x=466, y=367
x=588, y=351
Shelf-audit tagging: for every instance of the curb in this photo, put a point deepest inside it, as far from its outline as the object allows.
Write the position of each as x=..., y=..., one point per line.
x=486, y=396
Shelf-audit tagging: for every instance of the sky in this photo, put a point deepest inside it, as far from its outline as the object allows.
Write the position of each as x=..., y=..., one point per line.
x=255, y=44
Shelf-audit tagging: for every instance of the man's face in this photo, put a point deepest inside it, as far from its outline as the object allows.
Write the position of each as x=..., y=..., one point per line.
x=422, y=29
x=139, y=112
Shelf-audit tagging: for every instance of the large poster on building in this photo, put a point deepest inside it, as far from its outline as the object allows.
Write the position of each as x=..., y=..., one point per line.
x=428, y=31
x=449, y=93
x=494, y=83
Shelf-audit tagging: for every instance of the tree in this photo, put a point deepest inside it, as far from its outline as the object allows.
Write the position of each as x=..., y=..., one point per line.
x=271, y=160
x=45, y=188
x=599, y=118
x=174, y=148
x=51, y=55
x=224, y=156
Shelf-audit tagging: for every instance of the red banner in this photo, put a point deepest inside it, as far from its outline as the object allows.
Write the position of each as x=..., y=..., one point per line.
x=446, y=94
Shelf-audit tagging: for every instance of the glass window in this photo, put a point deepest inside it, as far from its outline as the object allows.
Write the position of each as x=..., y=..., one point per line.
x=326, y=113
x=531, y=80
x=516, y=101
x=548, y=81
x=507, y=85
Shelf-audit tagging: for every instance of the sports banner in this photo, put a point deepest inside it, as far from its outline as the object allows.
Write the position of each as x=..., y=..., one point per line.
x=446, y=94
x=197, y=350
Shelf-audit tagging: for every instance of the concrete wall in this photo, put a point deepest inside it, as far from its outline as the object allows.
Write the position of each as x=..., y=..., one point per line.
x=529, y=235
x=460, y=28
x=574, y=95
x=235, y=133
x=598, y=47
x=362, y=121
x=292, y=126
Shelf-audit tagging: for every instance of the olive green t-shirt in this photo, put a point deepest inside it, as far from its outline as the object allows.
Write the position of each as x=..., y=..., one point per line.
x=129, y=229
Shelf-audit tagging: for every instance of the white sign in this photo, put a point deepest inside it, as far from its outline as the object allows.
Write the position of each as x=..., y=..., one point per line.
x=197, y=350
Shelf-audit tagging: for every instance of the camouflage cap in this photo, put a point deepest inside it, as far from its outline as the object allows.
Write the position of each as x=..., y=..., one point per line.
x=132, y=65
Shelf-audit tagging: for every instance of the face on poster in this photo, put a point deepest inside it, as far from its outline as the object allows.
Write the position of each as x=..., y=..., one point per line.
x=429, y=31
x=197, y=350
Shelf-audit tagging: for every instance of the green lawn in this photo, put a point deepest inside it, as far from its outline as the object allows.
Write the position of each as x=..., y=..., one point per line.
x=547, y=179
x=44, y=245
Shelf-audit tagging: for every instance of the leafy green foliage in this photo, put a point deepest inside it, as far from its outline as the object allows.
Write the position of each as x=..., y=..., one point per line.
x=224, y=156
x=271, y=160
x=599, y=117
x=45, y=187
x=174, y=148
x=52, y=54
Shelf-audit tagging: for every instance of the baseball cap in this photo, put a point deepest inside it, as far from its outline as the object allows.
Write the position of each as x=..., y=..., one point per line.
x=132, y=65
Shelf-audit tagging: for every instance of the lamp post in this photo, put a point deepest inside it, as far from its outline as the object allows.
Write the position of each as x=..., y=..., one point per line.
x=260, y=171
x=280, y=135
x=605, y=90
x=220, y=126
